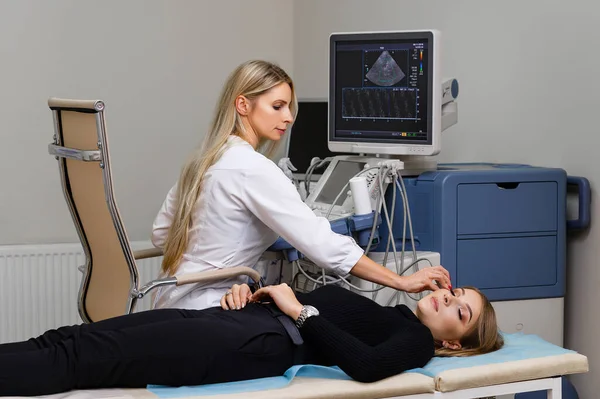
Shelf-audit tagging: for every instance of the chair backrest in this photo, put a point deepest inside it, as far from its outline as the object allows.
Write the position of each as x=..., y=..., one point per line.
x=81, y=147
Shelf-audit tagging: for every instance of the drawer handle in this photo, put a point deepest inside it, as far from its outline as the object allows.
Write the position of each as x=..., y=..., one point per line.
x=508, y=185
x=584, y=191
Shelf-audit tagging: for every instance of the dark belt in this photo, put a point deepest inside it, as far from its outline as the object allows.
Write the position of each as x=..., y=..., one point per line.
x=287, y=323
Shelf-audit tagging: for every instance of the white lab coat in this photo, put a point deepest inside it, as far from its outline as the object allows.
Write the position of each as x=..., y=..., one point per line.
x=246, y=204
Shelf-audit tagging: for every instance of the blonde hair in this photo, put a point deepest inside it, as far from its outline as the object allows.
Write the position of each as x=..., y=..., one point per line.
x=484, y=336
x=250, y=79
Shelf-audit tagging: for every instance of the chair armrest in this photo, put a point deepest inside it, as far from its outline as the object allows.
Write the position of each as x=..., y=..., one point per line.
x=147, y=253
x=212, y=275
x=221, y=274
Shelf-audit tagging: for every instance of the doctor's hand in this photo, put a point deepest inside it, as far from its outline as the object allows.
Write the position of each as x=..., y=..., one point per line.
x=237, y=297
x=425, y=279
x=283, y=296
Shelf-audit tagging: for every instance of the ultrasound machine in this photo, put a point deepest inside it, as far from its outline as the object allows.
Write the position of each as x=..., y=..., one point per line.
x=499, y=227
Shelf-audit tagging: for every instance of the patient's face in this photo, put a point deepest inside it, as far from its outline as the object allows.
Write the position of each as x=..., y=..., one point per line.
x=450, y=314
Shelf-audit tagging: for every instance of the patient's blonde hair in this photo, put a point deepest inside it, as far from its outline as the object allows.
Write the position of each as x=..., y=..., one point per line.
x=251, y=79
x=484, y=336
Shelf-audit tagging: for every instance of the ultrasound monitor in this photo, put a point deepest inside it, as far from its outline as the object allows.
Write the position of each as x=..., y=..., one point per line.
x=385, y=93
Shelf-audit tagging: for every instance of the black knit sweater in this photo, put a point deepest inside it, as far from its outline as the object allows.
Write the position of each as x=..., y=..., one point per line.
x=367, y=341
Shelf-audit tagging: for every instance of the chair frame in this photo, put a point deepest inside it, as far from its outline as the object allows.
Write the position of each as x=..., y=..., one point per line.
x=101, y=156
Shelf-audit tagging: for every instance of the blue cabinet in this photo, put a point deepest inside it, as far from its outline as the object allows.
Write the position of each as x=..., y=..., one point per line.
x=499, y=227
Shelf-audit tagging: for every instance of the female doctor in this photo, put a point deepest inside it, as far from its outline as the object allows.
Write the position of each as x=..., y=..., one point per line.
x=231, y=202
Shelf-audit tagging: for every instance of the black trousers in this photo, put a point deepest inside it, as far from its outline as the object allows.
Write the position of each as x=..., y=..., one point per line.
x=165, y=346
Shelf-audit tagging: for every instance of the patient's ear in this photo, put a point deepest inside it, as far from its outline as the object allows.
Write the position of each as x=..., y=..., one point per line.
x=454, y=345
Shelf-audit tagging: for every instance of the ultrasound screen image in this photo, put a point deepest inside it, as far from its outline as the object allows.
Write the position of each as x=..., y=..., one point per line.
x=385, y=70
x=381, y=90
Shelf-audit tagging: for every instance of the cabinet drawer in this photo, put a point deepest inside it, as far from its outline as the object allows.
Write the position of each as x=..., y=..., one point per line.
x=516, y=262
x=507, y=207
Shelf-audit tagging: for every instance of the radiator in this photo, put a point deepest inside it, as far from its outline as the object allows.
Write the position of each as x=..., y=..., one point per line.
x=39, y=286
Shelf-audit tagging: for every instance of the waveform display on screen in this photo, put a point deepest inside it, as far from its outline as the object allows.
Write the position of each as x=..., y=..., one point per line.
x=379, y=103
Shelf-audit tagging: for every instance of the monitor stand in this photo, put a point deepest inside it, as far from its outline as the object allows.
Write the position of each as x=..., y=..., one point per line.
x=414, y=165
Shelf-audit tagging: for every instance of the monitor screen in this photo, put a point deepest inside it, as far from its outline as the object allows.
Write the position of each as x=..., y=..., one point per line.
x=382, y=91
x=308, y=136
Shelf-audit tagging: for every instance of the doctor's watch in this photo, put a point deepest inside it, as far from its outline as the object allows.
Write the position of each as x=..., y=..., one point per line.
x=306, y=312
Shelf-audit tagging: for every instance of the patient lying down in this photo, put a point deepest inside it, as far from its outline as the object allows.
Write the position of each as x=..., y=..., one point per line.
x=191, y=347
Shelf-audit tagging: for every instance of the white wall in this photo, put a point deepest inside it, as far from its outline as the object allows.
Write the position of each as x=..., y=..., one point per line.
x=529, y=85
x=158, y=65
